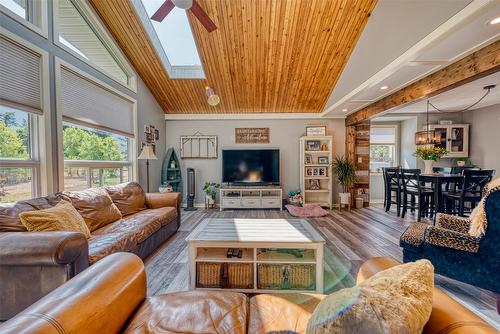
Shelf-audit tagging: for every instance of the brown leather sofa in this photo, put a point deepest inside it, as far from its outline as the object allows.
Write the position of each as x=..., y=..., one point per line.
x=110, y=297
x=122, y=218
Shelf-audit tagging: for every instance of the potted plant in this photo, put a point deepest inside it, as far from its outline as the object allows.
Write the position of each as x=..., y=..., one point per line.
x=429, y=154
x=210, y=189
x=346, y=174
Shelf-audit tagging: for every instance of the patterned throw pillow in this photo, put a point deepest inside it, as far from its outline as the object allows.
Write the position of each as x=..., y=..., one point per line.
x=396, y=300
x=62, y=217
x=478, y=215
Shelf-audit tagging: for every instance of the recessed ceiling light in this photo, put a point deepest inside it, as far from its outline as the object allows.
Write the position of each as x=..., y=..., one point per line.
x=496, y=20
x=344, y=110
x=384, y=87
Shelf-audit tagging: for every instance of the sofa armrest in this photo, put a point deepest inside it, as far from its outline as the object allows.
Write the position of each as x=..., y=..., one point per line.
x=454, y=223
x=160, y=200
x=43, y=248
x=99, y=300
x=441, y=237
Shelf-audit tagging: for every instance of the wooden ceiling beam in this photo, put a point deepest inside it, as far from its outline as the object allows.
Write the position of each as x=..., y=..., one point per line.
x=472, y=67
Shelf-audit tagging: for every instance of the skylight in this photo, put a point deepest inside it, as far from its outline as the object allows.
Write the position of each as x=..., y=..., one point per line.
x=176, y=40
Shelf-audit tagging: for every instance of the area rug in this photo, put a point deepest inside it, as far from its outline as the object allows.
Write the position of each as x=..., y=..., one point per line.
x=308, y=210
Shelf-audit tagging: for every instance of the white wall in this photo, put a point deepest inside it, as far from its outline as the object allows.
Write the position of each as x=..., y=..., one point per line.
x=484, y=137
x=407, y=147
x=149, y=112
x=284, y=134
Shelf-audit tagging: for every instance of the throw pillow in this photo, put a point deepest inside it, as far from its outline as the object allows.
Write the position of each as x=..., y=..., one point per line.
x=62, y=217
x=396, y=300
x=478, y=215
x=95, y=206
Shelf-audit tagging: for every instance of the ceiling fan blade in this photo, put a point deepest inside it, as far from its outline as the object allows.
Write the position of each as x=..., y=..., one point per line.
x=163, y=11
x=202, y=16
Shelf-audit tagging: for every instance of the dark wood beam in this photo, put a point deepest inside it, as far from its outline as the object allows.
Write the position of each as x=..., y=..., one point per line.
x=475, y=66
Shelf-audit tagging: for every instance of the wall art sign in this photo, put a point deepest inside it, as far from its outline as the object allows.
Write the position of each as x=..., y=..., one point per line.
x=251, y=135
x=315, y=131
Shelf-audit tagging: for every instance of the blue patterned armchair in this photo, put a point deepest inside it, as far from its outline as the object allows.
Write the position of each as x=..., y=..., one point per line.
x=453, y=251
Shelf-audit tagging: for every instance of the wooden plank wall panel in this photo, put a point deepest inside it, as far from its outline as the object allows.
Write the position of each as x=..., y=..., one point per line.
x=265, y=56
x=475, y=66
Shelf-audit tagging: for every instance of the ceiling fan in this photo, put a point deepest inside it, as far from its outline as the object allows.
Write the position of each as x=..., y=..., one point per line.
x=193, y=5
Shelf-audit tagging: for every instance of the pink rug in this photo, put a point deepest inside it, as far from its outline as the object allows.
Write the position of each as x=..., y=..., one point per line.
x=308, y=210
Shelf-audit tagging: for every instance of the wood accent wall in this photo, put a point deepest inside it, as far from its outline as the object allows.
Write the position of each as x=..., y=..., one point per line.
x=358, y=152
x=265, y=56
x=475, y=66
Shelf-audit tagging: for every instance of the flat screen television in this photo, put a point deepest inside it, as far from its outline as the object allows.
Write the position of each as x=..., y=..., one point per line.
x=251, y=166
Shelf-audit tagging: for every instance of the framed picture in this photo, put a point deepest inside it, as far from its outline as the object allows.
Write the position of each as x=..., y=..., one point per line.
x=157, y=134
x=309, y=159
x=322, y=171
x=147, y=129
x=149, y=138
x=309, y=172
x=323, y=160
x=314, y=184
x=316, y=130
x=313, y=145
x=315, y=172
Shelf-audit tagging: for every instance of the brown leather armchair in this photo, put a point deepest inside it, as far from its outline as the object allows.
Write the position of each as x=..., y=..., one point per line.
x=110, y=297
x=33, y=264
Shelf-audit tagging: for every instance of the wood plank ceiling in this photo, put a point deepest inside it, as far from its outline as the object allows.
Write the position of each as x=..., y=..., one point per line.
x=265, y=56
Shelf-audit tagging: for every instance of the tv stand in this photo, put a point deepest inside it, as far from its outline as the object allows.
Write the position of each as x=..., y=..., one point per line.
x=251, y=197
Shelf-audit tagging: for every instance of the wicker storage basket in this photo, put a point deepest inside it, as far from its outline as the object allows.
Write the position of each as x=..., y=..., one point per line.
x=286, y=276
x=224, y=275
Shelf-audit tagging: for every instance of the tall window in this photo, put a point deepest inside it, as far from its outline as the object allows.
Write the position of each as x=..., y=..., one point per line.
x=94, y=158
x=78, y=35
x=27, y=10
x=383, y=147
x=18, y=166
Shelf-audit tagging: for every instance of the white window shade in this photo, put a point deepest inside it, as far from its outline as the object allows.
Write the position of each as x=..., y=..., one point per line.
x=380, y=135
x=85, y=102
x=20, y=77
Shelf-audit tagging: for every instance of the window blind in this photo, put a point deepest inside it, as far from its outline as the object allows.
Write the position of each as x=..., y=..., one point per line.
x=20, y=77
x=87, y=103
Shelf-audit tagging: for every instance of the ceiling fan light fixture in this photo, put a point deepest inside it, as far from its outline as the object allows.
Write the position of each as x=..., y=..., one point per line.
x=212, y=98
x=183, y=4
x=496, y=20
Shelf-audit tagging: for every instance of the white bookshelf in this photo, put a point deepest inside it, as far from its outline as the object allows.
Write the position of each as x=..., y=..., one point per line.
x=310, y=168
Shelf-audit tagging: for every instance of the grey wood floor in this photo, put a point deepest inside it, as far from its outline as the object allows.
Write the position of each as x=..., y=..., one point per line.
x=351, y=239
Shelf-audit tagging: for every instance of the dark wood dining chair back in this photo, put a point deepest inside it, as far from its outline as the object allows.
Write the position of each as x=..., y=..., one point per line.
x=475, y=181
x=409, y=179
x=392, y=184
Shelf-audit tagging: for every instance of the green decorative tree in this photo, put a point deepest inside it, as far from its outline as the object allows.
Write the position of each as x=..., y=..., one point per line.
x=11, y=146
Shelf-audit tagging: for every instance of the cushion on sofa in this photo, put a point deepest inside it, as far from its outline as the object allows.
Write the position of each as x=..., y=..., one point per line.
x=95, y=206
x=9, y=214
x=62, y=217
x=284, y=312
x=101, y=245
x=396, y=300
x=220, y=312
x=128, y=197
x=141, y=225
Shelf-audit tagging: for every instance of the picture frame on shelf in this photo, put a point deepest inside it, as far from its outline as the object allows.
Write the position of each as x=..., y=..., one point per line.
x=322, y=171
x=314, y=184
x=324, y=147
x=309, y=171
x=315, y=172
x=308, y=159
x=313, y=145
x=323, y=160
x=316, y=131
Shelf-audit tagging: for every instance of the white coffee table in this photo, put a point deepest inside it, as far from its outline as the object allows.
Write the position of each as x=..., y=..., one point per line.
x=264, y=242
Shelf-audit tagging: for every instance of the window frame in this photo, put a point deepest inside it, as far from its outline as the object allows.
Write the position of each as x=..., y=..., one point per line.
x=132, y=147
x=41, y=7
x=96, y=24
x=395, y=144
x=33, y=161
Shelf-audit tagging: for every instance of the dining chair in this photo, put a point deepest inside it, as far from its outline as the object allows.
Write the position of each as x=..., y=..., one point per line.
x=415, y=189
x=469, y=191
x=392, y=185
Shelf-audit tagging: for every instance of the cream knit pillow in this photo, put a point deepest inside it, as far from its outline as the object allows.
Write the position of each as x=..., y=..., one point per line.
x=396, y=300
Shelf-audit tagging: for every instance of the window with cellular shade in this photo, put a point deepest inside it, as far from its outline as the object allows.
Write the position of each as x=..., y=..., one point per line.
x=20, y=77
x=86, y=102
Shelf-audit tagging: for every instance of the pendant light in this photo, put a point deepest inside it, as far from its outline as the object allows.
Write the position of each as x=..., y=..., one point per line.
x=427, y=136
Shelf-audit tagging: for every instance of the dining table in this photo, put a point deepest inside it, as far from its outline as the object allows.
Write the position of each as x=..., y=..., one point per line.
x=437, y=180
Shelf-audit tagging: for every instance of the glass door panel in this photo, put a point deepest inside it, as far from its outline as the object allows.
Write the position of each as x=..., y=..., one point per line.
x=441, y=134
x=457, y=139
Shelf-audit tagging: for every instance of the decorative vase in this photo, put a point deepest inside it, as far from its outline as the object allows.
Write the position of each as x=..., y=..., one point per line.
x=345, y=198
x=428, y=166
